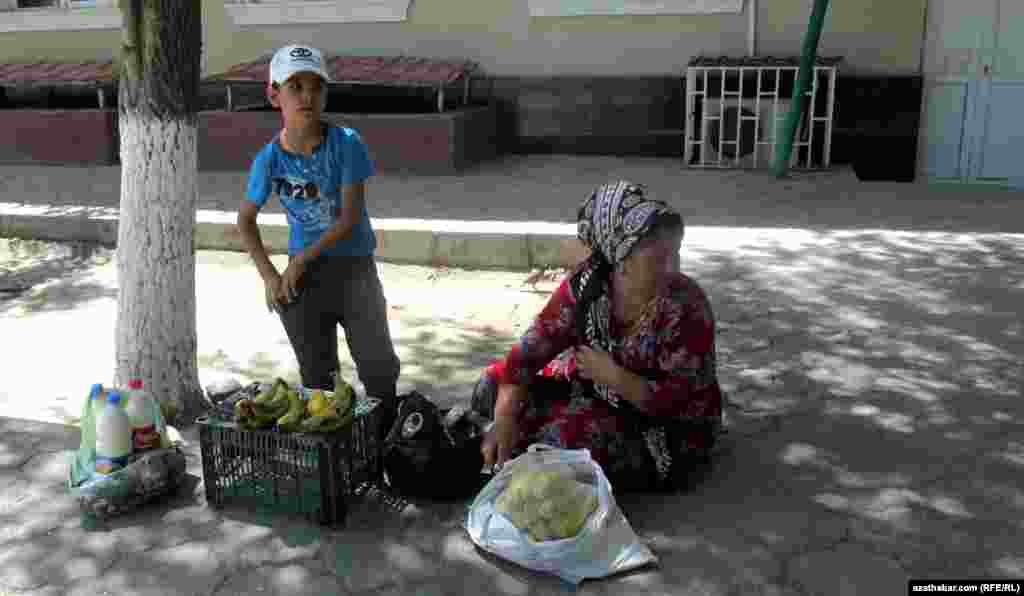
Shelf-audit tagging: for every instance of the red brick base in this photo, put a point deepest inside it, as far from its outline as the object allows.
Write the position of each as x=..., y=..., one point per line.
x=59, y=137
x=414, y=143
x=439, y=143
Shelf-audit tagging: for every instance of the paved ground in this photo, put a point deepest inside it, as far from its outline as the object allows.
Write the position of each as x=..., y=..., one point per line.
x=875, y=372
x=541, y=188
x=511, y=213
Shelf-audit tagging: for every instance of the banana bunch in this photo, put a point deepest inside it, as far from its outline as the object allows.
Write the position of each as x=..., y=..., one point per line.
x=282, y=405
x=266, y=408
x=329, y=412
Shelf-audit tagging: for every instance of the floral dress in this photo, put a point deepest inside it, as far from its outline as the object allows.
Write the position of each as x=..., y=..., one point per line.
x=673, y=347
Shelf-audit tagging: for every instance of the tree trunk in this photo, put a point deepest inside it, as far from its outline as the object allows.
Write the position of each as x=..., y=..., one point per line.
x=158, y=100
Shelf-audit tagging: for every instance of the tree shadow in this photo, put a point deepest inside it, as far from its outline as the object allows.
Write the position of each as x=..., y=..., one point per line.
x=446, y=355
x=260, y=367
x=873, y=381
x=42, y=277
x=874, y=404
x=878, y=375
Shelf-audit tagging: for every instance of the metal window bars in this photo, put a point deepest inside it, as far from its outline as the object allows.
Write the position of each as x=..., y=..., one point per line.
x=735, y=116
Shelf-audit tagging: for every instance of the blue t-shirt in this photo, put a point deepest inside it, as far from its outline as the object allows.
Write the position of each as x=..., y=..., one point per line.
x=309, y=190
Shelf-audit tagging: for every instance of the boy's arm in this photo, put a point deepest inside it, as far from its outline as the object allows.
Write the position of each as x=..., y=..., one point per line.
x=354, y=198
x=251, y=240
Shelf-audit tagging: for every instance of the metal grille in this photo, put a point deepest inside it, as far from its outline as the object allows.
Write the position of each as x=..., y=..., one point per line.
x=735, y=116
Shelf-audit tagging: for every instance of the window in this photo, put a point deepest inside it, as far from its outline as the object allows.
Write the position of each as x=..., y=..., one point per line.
x=53, y=3
x=56, y=15
x=279, y=12
x=561, y=8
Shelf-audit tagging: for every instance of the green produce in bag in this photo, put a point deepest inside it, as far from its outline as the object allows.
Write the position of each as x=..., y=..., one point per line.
x=548, y=505
x=552, y=510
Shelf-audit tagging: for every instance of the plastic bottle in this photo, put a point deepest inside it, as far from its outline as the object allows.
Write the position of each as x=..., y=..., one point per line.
x=97, y=398
x=140, y=416
x=113, y=436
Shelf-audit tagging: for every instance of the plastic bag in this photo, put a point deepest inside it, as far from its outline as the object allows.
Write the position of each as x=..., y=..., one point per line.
x=149, y=476
x=605, y=544
x=82, y=465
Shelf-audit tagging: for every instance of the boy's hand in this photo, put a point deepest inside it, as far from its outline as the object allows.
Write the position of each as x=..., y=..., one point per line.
x=272, y=290
x=290, y=278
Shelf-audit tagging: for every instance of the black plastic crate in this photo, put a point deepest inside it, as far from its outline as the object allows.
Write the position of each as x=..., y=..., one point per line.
x=309, y=474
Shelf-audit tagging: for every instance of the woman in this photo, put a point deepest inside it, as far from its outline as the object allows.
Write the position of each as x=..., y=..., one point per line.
x=621, y=360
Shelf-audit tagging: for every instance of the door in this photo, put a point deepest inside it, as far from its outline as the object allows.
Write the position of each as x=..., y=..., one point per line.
x=973, y=80
x=1002, y=95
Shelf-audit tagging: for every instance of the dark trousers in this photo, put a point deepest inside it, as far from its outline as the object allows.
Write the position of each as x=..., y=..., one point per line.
x=345, y=291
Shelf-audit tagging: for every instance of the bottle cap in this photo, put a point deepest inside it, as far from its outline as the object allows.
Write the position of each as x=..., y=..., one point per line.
x=135, y=384
x=96, y=390
x=114, y=398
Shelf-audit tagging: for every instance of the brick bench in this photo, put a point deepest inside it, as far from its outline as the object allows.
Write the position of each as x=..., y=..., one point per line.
x=58, y=136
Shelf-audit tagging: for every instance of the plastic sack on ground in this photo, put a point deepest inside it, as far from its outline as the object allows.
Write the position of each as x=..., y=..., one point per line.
x=544, y=494
x=82, y=465
x=148, y=476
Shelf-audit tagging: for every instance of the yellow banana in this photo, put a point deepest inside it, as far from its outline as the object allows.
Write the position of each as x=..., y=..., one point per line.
x=320, y=403
x=296, y=410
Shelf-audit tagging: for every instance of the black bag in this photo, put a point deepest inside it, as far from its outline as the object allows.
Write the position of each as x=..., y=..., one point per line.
x=424, y=458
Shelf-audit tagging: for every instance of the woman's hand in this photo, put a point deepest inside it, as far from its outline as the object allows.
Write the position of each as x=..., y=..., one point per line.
x=598, y=366
x=499, y=444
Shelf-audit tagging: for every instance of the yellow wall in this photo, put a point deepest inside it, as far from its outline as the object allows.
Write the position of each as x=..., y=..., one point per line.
x=57, y=45
x=875, y=35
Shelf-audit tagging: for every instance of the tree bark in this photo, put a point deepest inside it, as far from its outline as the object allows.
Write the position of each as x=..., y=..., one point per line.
x=158, y=100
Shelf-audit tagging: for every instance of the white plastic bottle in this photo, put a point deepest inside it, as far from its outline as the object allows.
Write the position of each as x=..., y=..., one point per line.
x=113, y=436
x=140, y=417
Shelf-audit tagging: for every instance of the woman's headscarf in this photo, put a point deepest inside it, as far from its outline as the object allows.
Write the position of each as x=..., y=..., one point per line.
x=615, y=217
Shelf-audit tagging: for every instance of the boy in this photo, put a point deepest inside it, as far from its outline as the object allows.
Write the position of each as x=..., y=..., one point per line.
x=319, y=172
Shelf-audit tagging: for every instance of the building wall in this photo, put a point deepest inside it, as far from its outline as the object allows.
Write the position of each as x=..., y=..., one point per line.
x=607, y=85
x=882, y=36
x=875, y=36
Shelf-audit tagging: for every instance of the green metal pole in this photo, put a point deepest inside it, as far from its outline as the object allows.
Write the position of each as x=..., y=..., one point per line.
x=808, y=56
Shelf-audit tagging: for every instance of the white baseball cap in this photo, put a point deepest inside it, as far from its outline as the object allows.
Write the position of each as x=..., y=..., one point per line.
x=293, y=59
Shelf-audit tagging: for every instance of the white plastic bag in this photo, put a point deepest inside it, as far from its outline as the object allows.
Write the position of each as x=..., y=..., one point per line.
x=605, y=545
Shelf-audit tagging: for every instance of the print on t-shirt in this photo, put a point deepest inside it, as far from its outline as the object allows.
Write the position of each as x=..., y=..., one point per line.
x=305, y=202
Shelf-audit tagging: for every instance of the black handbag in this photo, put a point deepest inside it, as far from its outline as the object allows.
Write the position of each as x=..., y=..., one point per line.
x=422, y=457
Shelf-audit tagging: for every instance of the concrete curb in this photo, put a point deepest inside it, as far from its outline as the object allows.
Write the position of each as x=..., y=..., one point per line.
x=468, y=244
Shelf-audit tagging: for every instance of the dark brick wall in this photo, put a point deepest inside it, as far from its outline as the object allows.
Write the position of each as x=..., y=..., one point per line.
x=59, y=137
x=877, y=122
x=476, y=136
x=876, y=125
x=644, y=116
x=589, y=115
x=415, y=143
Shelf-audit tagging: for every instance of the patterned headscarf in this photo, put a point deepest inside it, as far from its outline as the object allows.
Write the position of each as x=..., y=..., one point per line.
x=612, y=221
x=615, y=217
